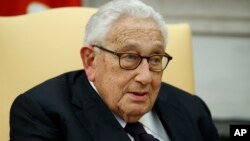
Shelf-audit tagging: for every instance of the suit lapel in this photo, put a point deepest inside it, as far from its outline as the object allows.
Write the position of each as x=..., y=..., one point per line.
x=94, y=115
x=173, y=116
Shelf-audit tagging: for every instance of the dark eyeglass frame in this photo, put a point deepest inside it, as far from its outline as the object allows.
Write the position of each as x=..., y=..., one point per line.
x=119, y=54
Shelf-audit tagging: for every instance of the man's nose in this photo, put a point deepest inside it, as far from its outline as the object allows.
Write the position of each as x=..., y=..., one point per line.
x=144, y=75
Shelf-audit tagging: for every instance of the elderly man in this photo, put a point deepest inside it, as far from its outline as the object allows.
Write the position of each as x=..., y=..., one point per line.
x=119, y=95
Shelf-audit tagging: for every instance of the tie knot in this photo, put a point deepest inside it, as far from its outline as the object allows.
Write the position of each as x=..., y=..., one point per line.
x=135, y=129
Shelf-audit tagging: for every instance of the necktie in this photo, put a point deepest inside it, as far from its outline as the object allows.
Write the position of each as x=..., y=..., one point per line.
x=138, y=132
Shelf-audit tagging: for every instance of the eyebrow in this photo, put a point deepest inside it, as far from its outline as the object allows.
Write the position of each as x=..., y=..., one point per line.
x=129, y=46
x=134, y=46
x=157, y=49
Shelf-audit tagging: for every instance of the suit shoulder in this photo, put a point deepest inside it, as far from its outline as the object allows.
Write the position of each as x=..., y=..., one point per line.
x=170, y=91
x=56, y=84
x=178, y=96
x=56, y=88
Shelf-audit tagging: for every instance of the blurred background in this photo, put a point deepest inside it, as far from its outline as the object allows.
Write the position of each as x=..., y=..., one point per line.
x=221, y=48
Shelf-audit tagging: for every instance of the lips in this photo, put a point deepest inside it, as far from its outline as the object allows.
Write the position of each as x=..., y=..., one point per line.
x=138, y=96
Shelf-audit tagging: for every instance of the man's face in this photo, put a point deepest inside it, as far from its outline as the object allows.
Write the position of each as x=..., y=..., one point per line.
x=129, y=93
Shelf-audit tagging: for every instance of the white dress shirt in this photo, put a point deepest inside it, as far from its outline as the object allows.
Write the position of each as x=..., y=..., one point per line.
x=150, y=122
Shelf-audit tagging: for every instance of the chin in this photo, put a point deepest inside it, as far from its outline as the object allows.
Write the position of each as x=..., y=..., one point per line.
x=135, y=114
x=132, y=112
x=132, y=120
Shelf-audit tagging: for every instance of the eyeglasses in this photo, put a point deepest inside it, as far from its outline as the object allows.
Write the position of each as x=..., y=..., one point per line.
x=130, y=61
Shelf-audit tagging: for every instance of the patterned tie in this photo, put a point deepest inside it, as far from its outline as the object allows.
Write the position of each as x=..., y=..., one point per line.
x=138, y=132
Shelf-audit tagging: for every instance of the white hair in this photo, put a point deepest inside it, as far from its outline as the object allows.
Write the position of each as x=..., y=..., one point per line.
x=101, y=22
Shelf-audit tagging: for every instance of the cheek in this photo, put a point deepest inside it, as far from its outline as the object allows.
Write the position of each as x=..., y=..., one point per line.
x=114, y=94
x=117, y=84
x=156, y=80
x=112, y=82
x=156, y=84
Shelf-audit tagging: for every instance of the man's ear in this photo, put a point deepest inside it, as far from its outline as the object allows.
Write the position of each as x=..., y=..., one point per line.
x=88, y=57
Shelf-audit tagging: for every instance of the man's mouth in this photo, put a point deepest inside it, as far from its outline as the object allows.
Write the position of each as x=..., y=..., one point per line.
x=138, y=96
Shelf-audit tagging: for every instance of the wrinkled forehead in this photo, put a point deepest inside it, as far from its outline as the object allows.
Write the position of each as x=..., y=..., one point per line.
x=139, y=31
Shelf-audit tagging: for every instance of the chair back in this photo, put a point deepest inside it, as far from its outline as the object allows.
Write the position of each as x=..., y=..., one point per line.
x=36, y=47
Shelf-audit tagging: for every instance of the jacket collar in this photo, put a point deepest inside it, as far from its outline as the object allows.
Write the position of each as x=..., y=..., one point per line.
x=93, y=113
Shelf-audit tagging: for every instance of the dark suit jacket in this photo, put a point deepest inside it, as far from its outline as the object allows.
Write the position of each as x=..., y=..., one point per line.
x=67, y=108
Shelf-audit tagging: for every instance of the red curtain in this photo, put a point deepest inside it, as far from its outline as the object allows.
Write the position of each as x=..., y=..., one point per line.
x=19, y=7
